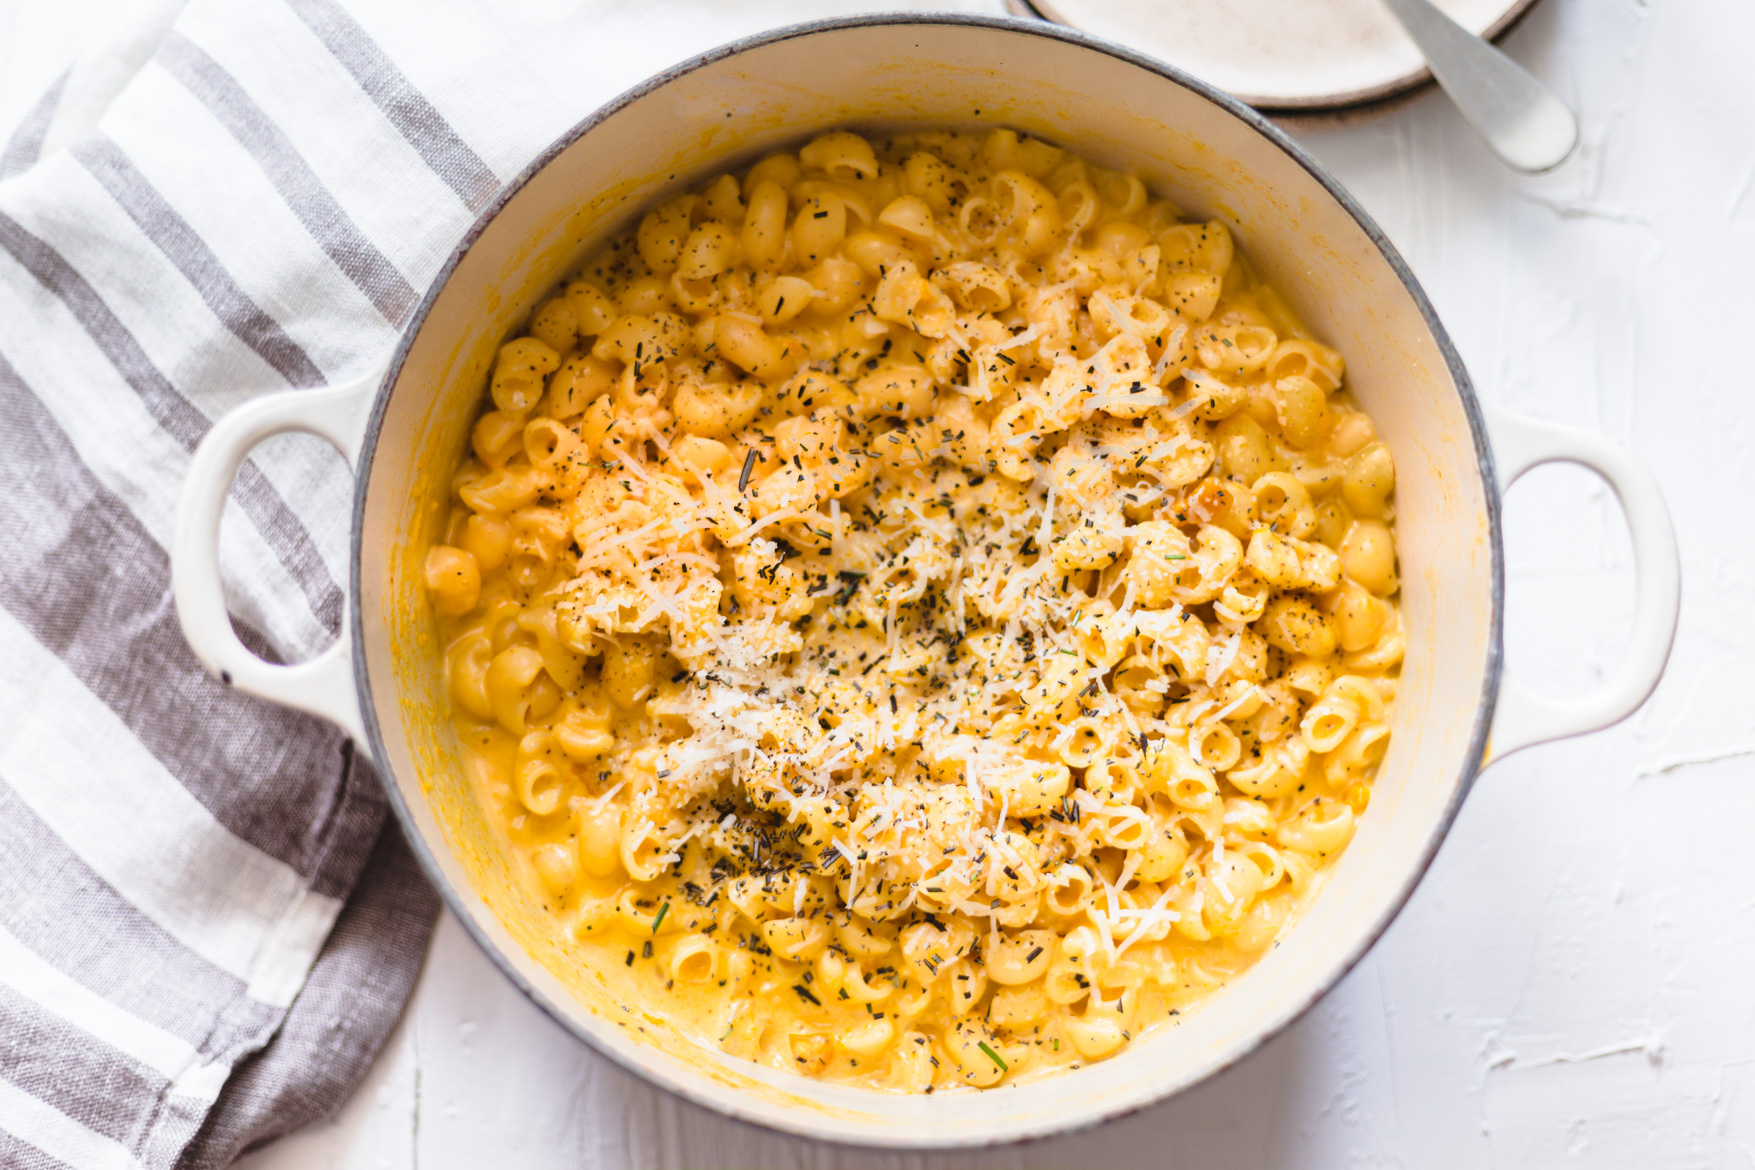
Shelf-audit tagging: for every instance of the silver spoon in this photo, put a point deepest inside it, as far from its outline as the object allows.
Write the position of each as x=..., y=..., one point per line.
x=1517, y=116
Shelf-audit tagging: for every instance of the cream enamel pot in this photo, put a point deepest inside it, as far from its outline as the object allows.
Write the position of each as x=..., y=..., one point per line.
x=1454, y=457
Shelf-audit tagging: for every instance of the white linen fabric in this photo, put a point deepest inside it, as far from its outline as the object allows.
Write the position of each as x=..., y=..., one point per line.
x=207, y=924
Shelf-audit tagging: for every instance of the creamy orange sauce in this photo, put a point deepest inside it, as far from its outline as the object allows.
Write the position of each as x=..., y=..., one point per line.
x=922, y=611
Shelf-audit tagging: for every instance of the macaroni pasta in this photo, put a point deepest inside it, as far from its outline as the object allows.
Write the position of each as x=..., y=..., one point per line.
x=922, y=610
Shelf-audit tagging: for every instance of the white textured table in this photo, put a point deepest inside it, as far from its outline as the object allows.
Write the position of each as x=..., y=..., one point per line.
x=1574, y=983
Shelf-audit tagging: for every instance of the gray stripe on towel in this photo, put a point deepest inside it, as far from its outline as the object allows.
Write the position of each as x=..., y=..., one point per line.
x=67, y=1067
x=72, y=919
x=26, y=144
x=79, y=571
x=351, y=1001
x=18, y=1154
x=405, y=106
x=196, y=261
x=282, y=530
x=335, y=232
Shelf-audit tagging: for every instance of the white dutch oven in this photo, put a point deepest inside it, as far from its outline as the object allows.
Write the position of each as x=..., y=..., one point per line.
x=1454, y=458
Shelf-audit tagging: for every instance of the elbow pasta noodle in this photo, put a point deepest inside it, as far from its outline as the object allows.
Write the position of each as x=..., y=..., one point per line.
x=922, y=611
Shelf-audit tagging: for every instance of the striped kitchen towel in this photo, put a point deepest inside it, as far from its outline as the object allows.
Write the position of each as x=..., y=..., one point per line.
x=207, y=924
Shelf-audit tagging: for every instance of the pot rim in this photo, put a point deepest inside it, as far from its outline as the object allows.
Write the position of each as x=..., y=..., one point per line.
x=1276, y=1024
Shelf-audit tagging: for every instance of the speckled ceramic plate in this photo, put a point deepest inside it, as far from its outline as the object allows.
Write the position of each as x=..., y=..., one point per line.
x=1278, y=55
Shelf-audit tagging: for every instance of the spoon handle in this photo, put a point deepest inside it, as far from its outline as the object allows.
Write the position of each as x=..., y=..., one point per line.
x=1517, y=116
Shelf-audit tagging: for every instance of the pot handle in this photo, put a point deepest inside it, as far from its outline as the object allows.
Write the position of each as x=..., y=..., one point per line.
x=1524, y=717
x=322, y=685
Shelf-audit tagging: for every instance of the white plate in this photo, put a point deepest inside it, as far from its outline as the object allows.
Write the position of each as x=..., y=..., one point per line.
x=1277, y=54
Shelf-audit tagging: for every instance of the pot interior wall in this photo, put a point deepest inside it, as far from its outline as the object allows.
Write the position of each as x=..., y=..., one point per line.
x=1121, y=113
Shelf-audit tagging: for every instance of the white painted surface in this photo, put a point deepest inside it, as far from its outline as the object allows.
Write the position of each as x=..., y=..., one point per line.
x=1572, y=984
